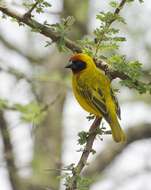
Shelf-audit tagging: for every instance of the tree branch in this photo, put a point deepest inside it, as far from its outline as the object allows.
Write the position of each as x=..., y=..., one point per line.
x=29, y=57
x=8, y=154
x=28, y=13
x=112, y=150
x=117, y=10
x=46, y=31
x=54, y=36
x=93, y=131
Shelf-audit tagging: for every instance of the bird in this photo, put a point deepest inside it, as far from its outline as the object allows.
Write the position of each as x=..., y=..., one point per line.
x=93, y=91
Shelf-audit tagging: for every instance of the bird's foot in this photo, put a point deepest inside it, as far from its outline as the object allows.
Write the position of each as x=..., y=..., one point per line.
x=90, y=117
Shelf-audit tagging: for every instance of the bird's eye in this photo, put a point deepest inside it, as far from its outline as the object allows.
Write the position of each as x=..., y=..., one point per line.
x=80, y=65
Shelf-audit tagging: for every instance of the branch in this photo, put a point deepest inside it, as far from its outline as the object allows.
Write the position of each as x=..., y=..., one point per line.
x=117, y=10
x=112, y=74
x=8, y=154
x=93, y=131
x=54, y=36
x=46, y=31
x=18, y=74
x=12, y=47
x=28, y=13
x=111, y=150
x=108, y=24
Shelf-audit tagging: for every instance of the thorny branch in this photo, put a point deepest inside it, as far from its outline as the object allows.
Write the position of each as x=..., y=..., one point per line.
x=41, y=28
x=117, y=10
x=83, y=160
x=54, y=36
x=28, y=13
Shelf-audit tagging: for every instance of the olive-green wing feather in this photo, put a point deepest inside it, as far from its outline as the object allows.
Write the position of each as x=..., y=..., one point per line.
x=95, y=98
x=118, y=110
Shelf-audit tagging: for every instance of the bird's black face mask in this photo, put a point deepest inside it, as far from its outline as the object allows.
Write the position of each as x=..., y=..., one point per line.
x=76, y=66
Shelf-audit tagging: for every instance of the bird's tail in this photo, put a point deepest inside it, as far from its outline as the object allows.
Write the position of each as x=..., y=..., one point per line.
x=117, y=132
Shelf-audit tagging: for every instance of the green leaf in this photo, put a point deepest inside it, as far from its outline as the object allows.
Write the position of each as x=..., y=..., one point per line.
x=69, y=21
x=82, y=137
x=46, y=4
x=132, y=68
x=113, y=4
x=106, y=17
x=140, y=87
x=42, y=4
x=32, y=112
x=62, y=29
x=83, y=183
x=119, y=39
x=107, y=47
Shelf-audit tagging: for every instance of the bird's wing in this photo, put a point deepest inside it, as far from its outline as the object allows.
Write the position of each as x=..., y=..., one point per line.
x=118, y=110
x=95, y=98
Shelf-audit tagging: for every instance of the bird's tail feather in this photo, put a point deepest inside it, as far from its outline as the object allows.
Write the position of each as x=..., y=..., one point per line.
x=117, y=132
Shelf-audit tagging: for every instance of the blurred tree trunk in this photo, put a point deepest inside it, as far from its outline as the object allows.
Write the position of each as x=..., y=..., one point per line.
x=48, y=140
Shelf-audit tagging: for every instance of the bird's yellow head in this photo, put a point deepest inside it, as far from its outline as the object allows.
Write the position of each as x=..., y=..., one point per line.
x=79, y=62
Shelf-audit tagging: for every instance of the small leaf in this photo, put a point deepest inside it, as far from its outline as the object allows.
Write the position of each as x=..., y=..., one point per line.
x=113, y=4
x=82, y=137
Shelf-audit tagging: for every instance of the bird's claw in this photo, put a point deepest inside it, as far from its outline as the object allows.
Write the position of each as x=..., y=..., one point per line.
x=90, y=117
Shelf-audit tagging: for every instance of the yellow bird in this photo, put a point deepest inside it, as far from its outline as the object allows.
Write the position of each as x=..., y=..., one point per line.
x=93, y=91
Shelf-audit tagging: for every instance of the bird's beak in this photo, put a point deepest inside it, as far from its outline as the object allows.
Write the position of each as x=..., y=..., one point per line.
x=69, y=65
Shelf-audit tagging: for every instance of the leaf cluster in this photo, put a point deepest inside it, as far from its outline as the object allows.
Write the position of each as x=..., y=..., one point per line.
x=41, y=5
x=82, y=183
x=62, y=29
x=32, y=112
x=106, y=38
x=106, y=42
x=133, y=69
x=82, y=137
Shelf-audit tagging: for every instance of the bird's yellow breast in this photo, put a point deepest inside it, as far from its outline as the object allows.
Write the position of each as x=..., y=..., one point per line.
x=83, y=80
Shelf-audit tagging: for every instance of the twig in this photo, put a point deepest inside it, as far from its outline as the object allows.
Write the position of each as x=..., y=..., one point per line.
x=44, y=108
x=93, y=131
x=117, y=10
x=41, y=28
x=29, y=57
x=28, y=13
x=108, y=24
x=20, y=75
